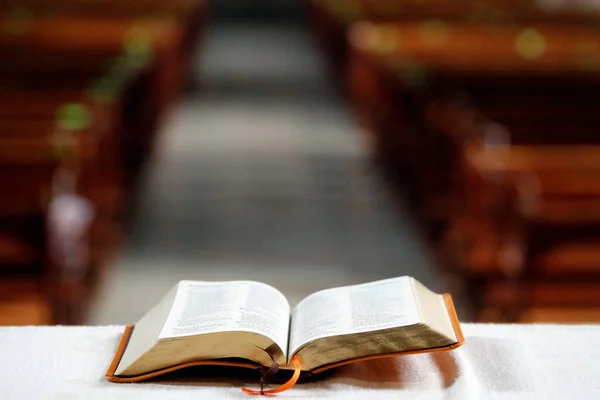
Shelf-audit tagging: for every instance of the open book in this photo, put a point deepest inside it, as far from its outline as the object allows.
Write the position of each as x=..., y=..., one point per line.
x=222, y=323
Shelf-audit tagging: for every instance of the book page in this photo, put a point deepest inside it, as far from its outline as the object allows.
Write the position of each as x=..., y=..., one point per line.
x=353, y=309
x=209, y=307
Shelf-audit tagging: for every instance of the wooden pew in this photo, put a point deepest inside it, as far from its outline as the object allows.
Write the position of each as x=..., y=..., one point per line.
x=500, y=136
x=29, y=177
x=76, y=112
x=34, y=122
x=30, y=159
x=189, y=16
x=100, y=46
x=398, y=77
x=562, y=302
x=333, y=18
x=29, y=168
x=530, y=222
x=22, y=302
x=152, y=49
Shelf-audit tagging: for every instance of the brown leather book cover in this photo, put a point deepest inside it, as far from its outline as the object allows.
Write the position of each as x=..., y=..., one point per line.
x=110, y=374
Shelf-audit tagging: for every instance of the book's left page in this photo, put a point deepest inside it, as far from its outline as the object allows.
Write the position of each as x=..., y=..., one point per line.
x=210, y=321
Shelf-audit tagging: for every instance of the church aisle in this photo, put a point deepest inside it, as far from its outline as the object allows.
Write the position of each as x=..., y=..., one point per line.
x=261, y=176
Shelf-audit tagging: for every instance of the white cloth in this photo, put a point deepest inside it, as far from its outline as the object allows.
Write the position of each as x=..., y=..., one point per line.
x=496, y=362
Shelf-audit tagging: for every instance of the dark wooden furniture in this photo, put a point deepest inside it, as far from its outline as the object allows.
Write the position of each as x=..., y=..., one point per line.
x=331, y=19
x=491, y=133
x=84, y=90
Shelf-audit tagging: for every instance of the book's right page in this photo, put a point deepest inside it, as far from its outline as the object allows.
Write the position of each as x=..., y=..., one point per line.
x=370, y=319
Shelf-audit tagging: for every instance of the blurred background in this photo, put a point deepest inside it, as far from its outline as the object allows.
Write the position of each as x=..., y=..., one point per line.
x=306, y=144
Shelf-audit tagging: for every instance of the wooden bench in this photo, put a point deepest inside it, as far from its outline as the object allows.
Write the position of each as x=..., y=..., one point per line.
x=398, y=79
x=332, y=19
x=28, y=171
x=530, y=218
x=78, y=117
x=495, y=133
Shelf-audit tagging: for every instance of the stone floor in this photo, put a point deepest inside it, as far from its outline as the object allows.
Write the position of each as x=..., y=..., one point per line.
x=260, y=175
